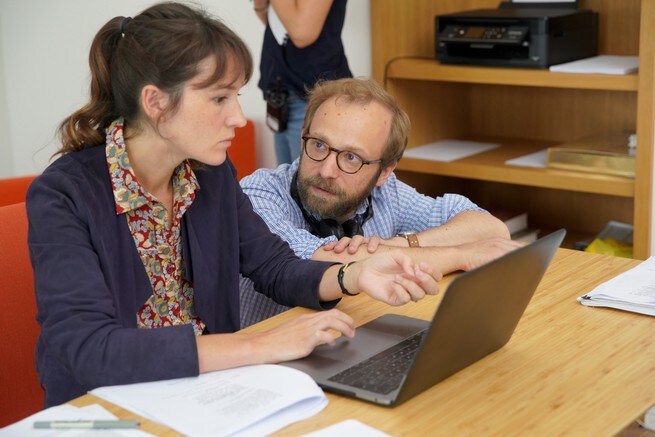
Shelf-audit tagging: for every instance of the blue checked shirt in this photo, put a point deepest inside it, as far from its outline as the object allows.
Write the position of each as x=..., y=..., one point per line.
x=397, y=207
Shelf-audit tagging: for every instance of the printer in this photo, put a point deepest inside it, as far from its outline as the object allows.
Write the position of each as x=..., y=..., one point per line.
x=525, y=35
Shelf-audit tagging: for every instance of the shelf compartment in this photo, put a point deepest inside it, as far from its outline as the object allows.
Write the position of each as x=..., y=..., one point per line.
x=432, y=70
x=490, y=166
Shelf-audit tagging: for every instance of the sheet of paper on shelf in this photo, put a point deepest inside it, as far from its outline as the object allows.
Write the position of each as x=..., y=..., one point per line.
x=541, y=1
x=448, y=150
x=250, y=400
x=535, y=160
x=633, y=290
x=350, y=427
x=602, y=64
x=25, y=427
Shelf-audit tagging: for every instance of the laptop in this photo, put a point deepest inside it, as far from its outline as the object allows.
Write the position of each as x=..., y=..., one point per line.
x=395, y=357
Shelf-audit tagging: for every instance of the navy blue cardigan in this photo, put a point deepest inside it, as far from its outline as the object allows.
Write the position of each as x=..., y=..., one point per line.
x=90, y=281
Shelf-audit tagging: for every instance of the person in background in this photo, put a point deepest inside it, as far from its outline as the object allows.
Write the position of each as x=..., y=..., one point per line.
x=139, y=230
x=302, y=44
x=340, y=201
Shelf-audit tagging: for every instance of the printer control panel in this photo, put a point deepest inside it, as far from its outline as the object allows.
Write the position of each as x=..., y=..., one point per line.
x=486, y=34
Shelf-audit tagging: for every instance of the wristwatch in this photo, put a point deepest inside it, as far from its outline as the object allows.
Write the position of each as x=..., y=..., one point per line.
x=411, y=238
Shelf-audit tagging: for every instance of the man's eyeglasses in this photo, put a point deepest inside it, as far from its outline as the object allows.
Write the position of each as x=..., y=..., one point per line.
x=347, y=161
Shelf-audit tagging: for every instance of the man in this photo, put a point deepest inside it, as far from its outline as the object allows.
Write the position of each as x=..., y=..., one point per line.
x=340, y=201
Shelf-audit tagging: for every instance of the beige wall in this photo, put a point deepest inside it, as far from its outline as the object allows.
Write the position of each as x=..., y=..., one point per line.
x=44, y=75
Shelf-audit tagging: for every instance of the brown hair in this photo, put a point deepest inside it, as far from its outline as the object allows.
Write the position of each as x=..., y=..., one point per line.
x=163, y=46
x=363, y=91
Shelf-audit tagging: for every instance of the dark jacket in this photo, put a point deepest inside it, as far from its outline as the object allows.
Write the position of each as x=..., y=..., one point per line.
x=90, y=281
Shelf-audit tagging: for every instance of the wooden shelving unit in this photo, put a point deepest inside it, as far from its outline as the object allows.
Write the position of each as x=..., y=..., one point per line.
x=430, y=69
x=525, y=111
x=490, y=166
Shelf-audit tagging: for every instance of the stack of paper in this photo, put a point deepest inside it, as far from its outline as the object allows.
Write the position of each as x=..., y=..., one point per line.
x=251, y=400
x=633, y=290
x=603, y=64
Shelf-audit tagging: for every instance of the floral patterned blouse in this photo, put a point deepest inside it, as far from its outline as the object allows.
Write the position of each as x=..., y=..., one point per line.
x=158, y=245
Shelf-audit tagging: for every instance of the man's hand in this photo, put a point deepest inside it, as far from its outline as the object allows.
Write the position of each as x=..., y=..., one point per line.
x=351, y=245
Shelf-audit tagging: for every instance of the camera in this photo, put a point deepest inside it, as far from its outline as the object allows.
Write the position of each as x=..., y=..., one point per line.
x=277, y=108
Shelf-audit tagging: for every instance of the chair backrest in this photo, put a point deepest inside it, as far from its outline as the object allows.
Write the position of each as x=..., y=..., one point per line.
x=13, y=190
x=242, y=152
x=20, y=391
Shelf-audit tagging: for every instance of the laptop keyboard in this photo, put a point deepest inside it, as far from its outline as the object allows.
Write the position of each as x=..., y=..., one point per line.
x=382, y=373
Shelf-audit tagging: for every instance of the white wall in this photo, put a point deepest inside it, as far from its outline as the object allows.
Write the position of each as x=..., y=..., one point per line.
x=44, y=45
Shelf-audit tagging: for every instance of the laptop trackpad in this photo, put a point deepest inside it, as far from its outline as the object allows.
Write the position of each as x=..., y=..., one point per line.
x=370, y=339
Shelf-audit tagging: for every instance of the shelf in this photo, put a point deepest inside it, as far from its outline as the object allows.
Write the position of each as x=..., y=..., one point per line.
x=432, y=70
x=490, y=166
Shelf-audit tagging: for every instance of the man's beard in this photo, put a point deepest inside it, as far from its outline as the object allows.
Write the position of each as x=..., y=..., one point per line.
x=336, y=209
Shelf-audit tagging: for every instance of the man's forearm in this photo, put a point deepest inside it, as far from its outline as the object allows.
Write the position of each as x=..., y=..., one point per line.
x=465, y=227
x=445, y=259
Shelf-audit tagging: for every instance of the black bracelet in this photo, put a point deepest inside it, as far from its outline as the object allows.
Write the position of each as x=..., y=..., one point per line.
x=342, y=270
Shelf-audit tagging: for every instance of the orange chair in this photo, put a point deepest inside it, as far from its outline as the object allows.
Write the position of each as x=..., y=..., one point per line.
x=242, y=152
x=20, y=391
x=13, y=190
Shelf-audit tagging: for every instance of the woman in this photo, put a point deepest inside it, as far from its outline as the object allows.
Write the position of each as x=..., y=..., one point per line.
x=139, y=231
x=312, y=50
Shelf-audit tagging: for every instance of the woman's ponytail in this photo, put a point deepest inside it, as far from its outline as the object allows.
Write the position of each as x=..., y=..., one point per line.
x=84, y=127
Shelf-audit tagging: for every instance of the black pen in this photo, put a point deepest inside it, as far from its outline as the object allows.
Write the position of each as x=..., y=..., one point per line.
x=86, y=424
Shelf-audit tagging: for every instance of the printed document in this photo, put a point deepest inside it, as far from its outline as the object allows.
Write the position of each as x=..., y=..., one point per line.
x=251, y=400
x=633, y=290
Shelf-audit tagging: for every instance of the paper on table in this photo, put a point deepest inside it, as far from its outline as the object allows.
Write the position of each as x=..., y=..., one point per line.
x=536, y=160
x=26, y=428
x=602, y=64
x=633, y=290
x=251, y=400
x=347, y=428
x=448, y=150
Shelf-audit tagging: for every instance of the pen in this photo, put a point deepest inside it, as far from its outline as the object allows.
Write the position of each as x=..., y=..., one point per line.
x=87, y=424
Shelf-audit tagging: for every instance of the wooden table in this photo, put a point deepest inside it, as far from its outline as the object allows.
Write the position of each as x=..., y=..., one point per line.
x=568, y=369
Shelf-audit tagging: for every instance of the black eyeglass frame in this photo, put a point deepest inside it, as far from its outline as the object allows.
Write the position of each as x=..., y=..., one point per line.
x=337, y=151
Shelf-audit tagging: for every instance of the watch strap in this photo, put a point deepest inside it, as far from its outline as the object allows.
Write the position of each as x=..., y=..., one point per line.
x=340, y=274
x=412, y=240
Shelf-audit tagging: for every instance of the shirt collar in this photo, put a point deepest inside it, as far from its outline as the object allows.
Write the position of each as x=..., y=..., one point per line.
x=128, y=193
